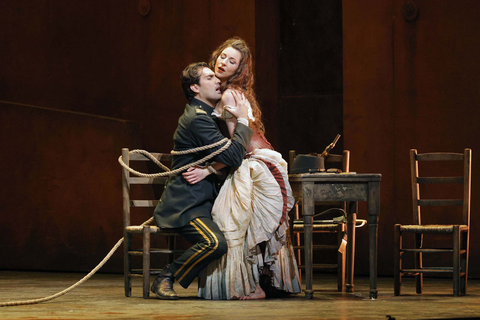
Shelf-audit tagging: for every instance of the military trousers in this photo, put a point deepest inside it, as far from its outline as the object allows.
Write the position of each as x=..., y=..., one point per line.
x=208, y=244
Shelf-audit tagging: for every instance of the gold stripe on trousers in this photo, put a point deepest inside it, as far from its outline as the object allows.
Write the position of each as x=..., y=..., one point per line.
x=209, y=236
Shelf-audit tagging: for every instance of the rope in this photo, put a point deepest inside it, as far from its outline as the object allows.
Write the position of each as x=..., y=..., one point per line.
x=202, y=148
x=88, y=276
x=149, y=221
x=185, y=167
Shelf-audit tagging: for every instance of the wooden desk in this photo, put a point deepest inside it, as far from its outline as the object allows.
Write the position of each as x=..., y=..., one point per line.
x=317, y=187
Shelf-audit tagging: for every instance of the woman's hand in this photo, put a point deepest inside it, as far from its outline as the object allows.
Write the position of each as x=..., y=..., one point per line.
x=241, y=109
x=195, y=174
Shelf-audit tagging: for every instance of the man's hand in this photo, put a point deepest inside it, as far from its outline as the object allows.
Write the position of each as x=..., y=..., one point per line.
x=241, y=109
x=195, y=174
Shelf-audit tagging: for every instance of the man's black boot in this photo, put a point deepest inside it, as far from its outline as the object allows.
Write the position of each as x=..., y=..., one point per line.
x=163, y=285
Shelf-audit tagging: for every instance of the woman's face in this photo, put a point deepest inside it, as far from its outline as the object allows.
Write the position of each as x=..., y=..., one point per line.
x=227, y=63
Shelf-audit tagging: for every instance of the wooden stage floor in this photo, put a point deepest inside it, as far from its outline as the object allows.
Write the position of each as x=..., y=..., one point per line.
x=102, y=297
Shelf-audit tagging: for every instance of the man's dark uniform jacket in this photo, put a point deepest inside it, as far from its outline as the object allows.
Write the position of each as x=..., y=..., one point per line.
x=182, y=202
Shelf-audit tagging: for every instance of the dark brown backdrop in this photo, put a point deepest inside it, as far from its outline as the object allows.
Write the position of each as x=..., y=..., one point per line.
x=82, y=80
x=409, y=84
x=105, y=77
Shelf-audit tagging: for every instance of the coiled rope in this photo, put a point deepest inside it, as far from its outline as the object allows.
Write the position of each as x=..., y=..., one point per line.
x=148, y=222
x=171, y=172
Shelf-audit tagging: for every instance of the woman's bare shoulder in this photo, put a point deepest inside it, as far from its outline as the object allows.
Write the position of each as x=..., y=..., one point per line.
x=227, y=97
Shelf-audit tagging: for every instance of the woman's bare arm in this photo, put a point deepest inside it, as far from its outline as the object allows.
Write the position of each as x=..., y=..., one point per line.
x=196, y=174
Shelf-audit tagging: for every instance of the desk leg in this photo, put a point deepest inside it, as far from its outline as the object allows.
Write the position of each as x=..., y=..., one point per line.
x=308, y=212
x=351, y=222
x=373, y=213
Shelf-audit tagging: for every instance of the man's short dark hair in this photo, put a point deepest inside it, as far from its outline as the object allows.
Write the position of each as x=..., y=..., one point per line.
x=191, y=75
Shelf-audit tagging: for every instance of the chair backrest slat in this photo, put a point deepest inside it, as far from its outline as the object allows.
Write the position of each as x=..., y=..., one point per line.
x=440, y=180
x=438, y=156
x=143, y=203
x=334, y=158
x=440, y=202
x=143, y=180
x=158, y=156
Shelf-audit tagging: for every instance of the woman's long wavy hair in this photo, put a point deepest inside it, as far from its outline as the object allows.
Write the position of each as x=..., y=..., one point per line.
x=242, y=79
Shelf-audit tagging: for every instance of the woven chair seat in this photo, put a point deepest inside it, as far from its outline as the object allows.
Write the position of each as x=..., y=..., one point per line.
x=431, y=228
x=317, y=227
x=324, y=225
x=153, y=230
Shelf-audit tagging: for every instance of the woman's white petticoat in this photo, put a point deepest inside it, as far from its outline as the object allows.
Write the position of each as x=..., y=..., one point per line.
x=248, y=210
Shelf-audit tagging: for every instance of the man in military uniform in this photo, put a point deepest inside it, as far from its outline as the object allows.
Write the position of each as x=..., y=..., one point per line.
x=187, y=207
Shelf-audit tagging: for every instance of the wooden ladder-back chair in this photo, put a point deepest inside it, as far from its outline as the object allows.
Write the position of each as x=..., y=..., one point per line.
x=344, y=257
x=459, y=233
x=129, y=230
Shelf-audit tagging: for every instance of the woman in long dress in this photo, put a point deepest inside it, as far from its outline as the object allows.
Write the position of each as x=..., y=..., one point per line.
x=253, y=204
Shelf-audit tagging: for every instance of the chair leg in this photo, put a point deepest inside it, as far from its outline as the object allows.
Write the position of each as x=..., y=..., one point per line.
x=464, y=262
x=298, y=239
x=341, y=258
x=299, y=254
x=418, y=263
x=456, y=260
x=397, y=260
x=146, y=261
x=351, y=222
x=127, y=244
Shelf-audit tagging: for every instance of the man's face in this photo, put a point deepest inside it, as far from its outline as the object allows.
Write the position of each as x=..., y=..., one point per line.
x=208, y=90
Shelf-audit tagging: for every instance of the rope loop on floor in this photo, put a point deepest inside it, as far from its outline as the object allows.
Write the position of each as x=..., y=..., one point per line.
x=88, y=276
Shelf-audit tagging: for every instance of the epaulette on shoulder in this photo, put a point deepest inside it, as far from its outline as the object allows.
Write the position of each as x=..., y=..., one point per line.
x=200, y=111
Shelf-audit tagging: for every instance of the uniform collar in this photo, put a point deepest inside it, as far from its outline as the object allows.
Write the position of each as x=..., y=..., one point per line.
x=202, y=105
